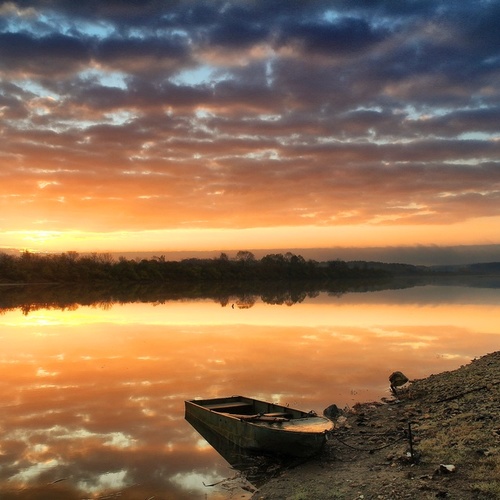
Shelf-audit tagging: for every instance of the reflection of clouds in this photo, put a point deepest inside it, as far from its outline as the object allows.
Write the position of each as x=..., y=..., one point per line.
x=402, y=338
x=117, y=390
x=414, y=345
x=58, y=447
x=452, y=356
x=109, y=480
x=58, y=432
x=44, y=373
x=119, y=440
x=41, y=321
x=194, y=481
x=202, y=444
x=216, y=361
x=33, y=471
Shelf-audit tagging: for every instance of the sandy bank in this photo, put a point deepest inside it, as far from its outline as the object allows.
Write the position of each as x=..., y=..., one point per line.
x=454, y=422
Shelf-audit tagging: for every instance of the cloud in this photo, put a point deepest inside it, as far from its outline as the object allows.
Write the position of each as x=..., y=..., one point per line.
x=238, y=114
x=57, y=54
x=346, y=36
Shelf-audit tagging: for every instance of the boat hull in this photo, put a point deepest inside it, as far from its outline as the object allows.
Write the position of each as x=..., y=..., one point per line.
x=262, y=426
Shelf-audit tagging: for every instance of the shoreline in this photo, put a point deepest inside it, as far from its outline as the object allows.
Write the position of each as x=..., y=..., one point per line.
x=454, y=420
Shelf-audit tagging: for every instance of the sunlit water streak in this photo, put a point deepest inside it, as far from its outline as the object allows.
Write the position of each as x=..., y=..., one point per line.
x=92, y=399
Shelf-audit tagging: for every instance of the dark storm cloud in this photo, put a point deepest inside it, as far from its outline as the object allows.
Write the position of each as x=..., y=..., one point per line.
x=265, y=110
x=140, y=95
x=345, y=36
x=53, y=54
x=153, y=54
x=237, y=34
x=63, y=54
x=128, y=12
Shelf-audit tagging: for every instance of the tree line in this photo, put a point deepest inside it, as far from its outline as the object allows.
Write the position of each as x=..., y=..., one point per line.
x=70, y=267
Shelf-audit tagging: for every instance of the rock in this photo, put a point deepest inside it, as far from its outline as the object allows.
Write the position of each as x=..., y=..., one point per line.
x=332, y=412
x=397, y=379
x=447, y=469
x=442, y=494
x=342, y=421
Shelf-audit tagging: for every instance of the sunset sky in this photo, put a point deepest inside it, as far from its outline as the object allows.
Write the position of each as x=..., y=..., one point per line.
x=209, y=124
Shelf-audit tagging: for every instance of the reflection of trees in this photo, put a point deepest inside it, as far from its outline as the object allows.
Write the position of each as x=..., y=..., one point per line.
x=30, y=298
x=288, y=297
x=246, y=303
x=246, y=300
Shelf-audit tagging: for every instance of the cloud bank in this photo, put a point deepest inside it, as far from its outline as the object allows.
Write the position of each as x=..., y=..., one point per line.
x=214, y=114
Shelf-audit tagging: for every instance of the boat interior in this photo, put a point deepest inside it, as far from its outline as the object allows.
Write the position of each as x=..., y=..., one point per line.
x=251, y=410
x=239, y=407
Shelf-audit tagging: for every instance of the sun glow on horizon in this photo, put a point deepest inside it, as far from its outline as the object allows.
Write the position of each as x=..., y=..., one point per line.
x=477, y=231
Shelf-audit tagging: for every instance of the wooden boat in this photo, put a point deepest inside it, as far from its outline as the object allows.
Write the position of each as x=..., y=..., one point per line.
x=262, y=426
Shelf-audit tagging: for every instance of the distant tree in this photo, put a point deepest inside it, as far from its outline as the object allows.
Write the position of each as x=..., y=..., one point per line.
x=9, y=269
x=245, y=256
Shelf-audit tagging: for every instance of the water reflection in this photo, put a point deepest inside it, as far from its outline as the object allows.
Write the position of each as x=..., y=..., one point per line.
x=31, y=298
x=92, y=398
x=254, y=468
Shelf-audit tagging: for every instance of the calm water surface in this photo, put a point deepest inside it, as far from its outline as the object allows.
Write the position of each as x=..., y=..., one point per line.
x=92, y=399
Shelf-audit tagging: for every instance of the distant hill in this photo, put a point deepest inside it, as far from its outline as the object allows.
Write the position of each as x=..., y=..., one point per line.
x=391, y=268
x=417, y=255
x=480, y=268
x=483, y=268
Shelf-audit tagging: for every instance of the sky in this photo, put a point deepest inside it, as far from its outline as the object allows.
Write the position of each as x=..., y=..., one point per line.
x=200, y=125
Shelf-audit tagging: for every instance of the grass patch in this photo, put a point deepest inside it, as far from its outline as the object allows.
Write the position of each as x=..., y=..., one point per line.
x=452, y=440
x=486, y=477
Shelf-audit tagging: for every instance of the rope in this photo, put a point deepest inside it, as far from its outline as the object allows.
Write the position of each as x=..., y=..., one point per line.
x=369, y=450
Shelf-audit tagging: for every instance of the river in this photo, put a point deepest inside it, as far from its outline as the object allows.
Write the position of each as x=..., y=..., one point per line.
x=92, y=397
